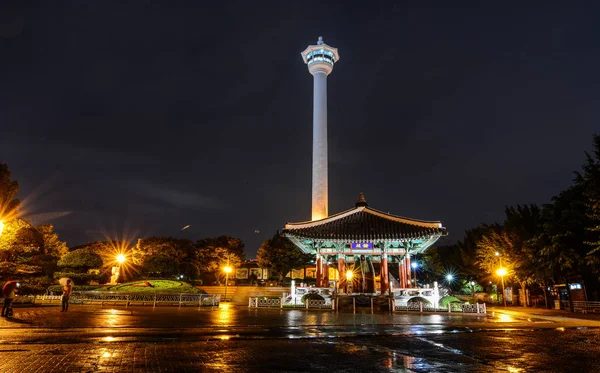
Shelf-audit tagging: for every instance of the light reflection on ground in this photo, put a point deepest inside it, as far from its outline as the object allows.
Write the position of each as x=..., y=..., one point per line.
x=504, y=318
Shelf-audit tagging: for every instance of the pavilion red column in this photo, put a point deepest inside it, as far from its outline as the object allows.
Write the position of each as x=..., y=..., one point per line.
x=319, y=271
x=384, y=277
x=341, y=274
x=325, y=283
x=408, y=282
x=402, y=270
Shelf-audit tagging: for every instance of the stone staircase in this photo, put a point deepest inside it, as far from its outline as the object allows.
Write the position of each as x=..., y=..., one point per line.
x=213, y=290
x=240, y=294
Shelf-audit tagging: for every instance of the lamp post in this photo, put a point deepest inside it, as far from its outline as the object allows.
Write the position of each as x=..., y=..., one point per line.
x=449, y=278
x=473, y=290
x=349, y=276
x=414, y=265
x=120, y=258
x=501, y=272
x=227, y=270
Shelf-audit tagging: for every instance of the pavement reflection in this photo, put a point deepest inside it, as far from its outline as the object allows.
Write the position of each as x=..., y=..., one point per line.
x=234, y=338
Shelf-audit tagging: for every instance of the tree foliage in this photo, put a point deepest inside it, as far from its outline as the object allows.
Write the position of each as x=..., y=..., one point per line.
x=8, y=192
x=280, y=254
x=81, y=260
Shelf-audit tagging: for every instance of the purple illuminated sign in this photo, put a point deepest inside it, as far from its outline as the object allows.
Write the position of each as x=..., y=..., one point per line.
x=362, y=245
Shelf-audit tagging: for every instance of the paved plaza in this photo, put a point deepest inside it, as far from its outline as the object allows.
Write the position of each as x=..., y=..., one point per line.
x=237, y=339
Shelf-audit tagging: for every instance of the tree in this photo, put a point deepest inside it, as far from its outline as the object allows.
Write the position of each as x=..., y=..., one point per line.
x=512, y=244
x=8, y=191
x=280, y=254
x=161, y=265
x=589, y=182
x=166, y=256
x=77, y=265
x=52, y=244
x=216, y=253
x=81, y=260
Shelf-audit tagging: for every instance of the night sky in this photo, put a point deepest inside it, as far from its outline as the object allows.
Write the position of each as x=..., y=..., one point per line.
x=142, y=117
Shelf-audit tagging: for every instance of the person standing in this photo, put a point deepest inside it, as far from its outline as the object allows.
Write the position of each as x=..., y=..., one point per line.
x=9, y=291
x=66, y=293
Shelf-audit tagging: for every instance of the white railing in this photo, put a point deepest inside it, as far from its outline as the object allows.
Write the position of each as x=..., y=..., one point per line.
x=258, y=302
x=127, y=299
x=450, y=308
x=585, y=306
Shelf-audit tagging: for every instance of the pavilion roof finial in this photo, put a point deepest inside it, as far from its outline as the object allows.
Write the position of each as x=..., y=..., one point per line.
x=320, y=41
x=361, y=201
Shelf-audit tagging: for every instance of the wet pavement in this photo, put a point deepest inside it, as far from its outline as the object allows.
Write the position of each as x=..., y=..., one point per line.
x=237, y=339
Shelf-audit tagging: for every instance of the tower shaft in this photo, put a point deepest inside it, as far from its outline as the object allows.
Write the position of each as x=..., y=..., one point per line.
x=319, y=170
x=320, y=59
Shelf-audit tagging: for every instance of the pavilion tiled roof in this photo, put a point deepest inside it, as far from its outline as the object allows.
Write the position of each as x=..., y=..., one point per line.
x=363, y=223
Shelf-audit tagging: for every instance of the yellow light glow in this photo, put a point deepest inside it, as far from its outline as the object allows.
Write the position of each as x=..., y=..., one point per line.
x=349, y=275
x=227, y=269
x=1, y=227
x=120, y=258
x=501, y=272
x=505, y=318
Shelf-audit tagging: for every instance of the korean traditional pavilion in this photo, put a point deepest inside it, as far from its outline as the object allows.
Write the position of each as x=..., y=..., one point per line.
x=360, y=239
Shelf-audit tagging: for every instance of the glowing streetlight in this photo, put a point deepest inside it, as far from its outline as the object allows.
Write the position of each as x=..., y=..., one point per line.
x=473, y=290
x=502, y=272
x=414, y=265
x=227, y=270
x=449, y=279
x=1, y=227
x=349, y=275
x=121, y=259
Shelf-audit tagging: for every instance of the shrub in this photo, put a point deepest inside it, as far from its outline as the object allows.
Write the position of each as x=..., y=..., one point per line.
x=78, y=278
x=449, y=299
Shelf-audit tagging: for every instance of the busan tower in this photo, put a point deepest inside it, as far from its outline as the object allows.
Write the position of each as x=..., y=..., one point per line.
x=320, y=59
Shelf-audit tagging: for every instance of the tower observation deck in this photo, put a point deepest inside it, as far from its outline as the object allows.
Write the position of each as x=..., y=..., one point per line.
x=320, y=59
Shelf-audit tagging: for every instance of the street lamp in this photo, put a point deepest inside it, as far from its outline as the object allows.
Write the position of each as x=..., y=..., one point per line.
x=502, y=272
x=121, y=259
x=449, y=278
x=349, y=276
x=227, y=270
x=415, y=265
x=473, y=290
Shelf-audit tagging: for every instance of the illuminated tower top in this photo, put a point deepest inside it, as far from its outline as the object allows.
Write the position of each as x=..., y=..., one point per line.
x=320, y=57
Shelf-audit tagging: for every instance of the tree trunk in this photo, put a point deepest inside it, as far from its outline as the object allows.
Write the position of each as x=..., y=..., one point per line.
x=524, y=297
x=545, y=295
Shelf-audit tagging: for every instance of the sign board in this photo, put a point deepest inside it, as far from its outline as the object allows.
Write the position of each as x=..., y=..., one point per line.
x=362, y=245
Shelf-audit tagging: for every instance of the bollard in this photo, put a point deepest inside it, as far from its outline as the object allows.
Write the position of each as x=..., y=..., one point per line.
x=353, y=305
x=449, y=308
x=421, y=307
x=371, y=305
x=333, y=304
x=307, y=300
x=281, y=301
